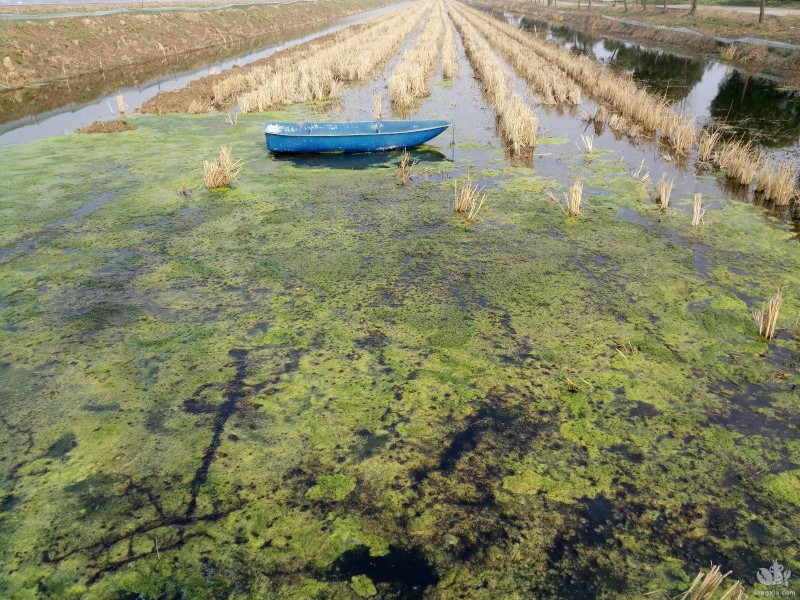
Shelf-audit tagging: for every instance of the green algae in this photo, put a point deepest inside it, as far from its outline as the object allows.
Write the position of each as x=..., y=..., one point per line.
x=364, y=371
x=332, y=487
x=363, y=586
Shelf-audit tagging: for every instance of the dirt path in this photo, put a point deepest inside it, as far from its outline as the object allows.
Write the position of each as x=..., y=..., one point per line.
x=41, y=51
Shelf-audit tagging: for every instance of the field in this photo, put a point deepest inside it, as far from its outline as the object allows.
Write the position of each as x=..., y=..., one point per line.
x=554, y=353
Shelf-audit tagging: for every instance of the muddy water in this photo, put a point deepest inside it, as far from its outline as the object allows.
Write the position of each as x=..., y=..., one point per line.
x=62, y=107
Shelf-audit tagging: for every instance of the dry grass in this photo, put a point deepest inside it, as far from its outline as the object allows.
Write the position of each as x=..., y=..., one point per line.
x=635, y=107
x=699, y=212
x=574, y=199
x=544, y=79
x=706, y=585
x=198, y=107
x=664, y=191
x=781, y=184
x=572, y=205
x=321, y=70
x=517, y=123
x=222, y=172
x=728, y=52
x=232, y=117
x=404, y=167
x=707, y=143
x=468, y=200
x=767, y=317
x=450, y=67
x=739, y=161
x=410, y=78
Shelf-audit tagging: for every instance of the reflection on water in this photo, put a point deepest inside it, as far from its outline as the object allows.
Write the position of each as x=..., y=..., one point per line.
x=750, y=106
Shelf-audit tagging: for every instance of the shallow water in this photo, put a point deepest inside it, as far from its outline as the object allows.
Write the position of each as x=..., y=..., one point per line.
x=319, y=381
x=750, y=106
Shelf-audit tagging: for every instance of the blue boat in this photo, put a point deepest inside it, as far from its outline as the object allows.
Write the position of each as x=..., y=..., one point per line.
x=358, y=136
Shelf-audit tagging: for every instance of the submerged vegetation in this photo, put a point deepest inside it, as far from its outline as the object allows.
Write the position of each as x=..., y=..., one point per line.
x=324, y=385
x=337, y=380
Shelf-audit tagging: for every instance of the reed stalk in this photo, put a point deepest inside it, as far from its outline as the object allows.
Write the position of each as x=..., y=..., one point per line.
x=545, y=80
x=706, y=585
x=707, y=142
x=574, y=199
x=699, y=212
x=222, y=172
x=664, y=190
x=410, y=78
x=404, y=167
x=767, y=317
x=468, y=200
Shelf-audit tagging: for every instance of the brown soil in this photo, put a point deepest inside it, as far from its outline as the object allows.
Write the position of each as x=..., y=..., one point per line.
x=202, y=90
x=41, y=51
x=751, y=58
x=106, y=127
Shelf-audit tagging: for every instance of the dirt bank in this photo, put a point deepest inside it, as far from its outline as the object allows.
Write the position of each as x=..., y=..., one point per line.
x=40, y=51
x=750, y=57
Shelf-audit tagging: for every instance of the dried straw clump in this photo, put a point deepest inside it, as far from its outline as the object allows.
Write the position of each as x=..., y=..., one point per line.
x=767, y=317
x=699, y=212
x=617, y=91
x=517, y=123
x=410, y=78
x=707, y=143
x=468, y=200
x=778, y=183
x=404, y=167
x=588, y=143
x=223, y=172
x=706, y=585
x=728, y=52
x=663, y=191
x=739, y=162
x=198, y=107
x=572, y=205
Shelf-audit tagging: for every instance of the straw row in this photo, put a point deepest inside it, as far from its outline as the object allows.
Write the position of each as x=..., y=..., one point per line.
x=635, y=105
x=410, y=78
x=450, y=68
x=619, y=92
x=548, y=82
x=321, y=75
x=516, y=121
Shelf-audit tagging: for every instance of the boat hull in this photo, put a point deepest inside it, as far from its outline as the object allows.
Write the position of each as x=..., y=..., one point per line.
x=366, y=136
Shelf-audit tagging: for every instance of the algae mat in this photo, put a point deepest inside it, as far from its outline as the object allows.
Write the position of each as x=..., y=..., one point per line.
x=319, y=384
